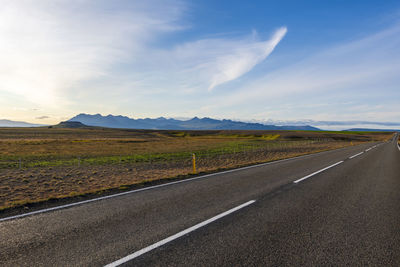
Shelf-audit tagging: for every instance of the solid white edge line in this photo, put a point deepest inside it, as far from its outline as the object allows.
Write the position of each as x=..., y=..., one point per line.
x=177, y=235
x=368, y=149
x=153, y=187
x=356, y=155
x=314, y=173
x=157, y=186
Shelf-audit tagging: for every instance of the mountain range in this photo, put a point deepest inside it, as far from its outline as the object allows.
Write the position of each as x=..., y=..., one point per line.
x=170, y=124
x=174, y=124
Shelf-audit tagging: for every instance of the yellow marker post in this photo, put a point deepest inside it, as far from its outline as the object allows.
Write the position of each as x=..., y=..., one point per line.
x=194, y=163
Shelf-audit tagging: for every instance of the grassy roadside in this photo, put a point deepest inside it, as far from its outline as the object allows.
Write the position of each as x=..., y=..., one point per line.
x=26, y=205
x=51, y=173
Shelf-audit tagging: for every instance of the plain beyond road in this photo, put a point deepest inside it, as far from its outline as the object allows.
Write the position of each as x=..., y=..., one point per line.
x=43, y=167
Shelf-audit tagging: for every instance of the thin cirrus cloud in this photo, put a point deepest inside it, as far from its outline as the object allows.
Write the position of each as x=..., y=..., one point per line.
x=242, y=60
x=204, y=64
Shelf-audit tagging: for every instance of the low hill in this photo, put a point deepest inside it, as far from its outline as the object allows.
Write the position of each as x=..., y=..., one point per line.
x=174, y=124
x=70, y=124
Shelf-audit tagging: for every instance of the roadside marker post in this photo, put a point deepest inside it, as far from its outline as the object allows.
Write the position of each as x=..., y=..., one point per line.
x=194, y=163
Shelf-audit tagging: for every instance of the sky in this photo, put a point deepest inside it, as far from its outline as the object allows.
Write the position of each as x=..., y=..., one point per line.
x=332, y=63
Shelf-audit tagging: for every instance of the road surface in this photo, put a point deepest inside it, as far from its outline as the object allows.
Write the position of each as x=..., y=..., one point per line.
x=338, y=208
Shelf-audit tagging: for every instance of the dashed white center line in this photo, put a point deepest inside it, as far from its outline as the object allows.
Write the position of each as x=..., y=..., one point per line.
x=150, y=188
x=175, y=236
x=314, y=173
x=368, y=149
x=356, y=155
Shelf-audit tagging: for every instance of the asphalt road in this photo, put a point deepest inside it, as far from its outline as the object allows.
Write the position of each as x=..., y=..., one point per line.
x=333, y=208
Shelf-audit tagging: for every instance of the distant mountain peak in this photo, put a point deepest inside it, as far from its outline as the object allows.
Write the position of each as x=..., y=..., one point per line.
x=161, y=119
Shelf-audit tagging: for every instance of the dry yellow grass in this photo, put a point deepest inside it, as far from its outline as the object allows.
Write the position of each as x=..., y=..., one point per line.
x=146, y=155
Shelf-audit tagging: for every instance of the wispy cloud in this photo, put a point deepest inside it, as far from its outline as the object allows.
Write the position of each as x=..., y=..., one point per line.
x=200, y=65
x=241, y=60
x=42, y=117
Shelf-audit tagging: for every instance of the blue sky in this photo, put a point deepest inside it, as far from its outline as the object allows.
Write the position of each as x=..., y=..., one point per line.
x=270, y=61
